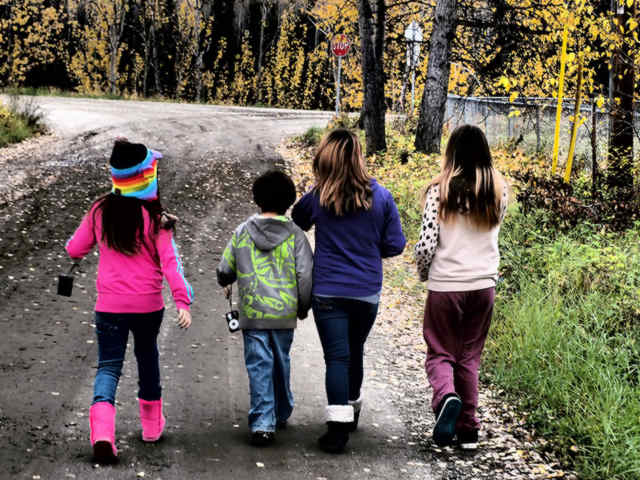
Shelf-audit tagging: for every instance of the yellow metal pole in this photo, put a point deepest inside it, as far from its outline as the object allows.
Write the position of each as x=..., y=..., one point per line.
x=563, y=63
x=576, y=123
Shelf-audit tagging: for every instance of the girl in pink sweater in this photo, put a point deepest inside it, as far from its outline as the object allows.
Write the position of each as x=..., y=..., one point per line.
x=136, y=246
x=457, y=254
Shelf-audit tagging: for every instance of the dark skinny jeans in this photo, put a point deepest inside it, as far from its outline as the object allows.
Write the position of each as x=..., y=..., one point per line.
x=112, y=330
x=343, y=325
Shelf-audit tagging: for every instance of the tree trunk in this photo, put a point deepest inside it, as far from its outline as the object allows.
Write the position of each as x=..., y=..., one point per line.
x=199, y=73
x=116, y=29
x=112, y=72
x=264, y=10
x=619, y=174
x=154, y=48
x=372, y=45
x=145, y=73
x=203, y=19
x=67, y=21
x=434, y=99
x=154, y=58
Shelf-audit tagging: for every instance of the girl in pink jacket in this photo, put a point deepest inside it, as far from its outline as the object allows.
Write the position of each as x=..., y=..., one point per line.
x=136, y=248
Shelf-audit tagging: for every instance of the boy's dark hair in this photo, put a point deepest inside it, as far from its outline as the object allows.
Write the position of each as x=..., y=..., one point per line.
x=274, y=191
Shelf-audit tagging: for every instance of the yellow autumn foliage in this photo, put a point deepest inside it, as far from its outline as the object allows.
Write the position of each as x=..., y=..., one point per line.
x=29, y=38
x=298, y=68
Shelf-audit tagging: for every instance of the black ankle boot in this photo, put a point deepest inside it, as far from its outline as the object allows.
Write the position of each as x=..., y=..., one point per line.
x=353, y=426
x=336, y=437
x=357, y=406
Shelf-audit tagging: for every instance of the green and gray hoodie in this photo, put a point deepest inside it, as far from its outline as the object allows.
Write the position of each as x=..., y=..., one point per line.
x=272, y=261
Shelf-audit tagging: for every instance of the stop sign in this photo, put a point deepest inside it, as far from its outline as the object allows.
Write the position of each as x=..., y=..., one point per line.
x=340, y=45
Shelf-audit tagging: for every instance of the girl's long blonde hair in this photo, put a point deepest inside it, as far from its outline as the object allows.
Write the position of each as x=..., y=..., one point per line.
x=342, y=181
x=469, y=184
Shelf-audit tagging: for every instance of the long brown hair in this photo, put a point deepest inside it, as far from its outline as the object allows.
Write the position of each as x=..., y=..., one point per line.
x=469, y=184
x=342, y=181
x=123, y=221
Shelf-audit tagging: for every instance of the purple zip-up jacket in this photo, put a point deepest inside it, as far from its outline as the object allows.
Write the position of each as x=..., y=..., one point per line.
x=350, y=248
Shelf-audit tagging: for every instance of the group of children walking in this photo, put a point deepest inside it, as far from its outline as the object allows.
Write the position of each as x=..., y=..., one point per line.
x=279, y=279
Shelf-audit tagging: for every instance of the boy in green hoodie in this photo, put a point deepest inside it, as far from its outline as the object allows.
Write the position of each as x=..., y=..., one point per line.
x=270, y=258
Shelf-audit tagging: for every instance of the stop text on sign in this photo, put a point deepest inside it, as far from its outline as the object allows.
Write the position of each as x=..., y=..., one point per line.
x=340, y=45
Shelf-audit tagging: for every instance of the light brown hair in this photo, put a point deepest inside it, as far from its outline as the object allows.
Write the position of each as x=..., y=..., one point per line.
x=469, y=184
x=342, y=182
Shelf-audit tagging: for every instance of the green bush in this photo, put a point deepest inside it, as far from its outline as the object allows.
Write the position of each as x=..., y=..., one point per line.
x=406, y=182
x=311, y=137
x=21, y=120
x=13, y=128
x=345, y=120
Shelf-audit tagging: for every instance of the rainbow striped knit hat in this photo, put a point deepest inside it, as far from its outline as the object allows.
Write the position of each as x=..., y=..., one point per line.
x=134, y=170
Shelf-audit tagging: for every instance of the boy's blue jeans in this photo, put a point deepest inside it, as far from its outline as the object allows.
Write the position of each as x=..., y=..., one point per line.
x=343, y=325
x=266, y=355
x=112, y=330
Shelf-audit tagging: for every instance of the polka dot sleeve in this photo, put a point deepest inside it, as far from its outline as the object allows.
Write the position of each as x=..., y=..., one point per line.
x=504, y=203
x=425, y=249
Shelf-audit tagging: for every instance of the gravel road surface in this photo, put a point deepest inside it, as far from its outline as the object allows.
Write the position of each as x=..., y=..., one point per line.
x=48, y=349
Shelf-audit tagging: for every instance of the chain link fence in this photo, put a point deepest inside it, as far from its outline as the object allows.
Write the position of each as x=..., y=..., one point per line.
x=530, y=123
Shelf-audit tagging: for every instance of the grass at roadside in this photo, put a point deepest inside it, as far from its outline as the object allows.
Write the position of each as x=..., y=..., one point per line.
x=564, y=343
x=565, y=340
x=19, y=121
x=56, y=92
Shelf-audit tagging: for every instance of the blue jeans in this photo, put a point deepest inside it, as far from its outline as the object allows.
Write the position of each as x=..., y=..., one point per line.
x=266, y=355
x=112, y=330
x=343, y=325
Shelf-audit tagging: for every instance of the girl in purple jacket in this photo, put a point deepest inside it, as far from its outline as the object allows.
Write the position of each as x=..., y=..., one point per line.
x=357, y=225
x=136, y=250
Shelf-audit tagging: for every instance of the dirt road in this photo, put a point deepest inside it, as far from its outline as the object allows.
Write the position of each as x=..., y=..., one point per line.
x=48, y=349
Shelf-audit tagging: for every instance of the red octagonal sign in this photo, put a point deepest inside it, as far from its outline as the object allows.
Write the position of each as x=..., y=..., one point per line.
x=340, y=45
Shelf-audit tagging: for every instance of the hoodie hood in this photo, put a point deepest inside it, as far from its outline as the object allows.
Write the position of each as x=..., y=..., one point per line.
x=269, y=232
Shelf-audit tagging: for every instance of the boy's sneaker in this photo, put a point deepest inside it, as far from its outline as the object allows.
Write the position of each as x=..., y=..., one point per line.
x=262, y=439
x=447, y=416
x=468, y=439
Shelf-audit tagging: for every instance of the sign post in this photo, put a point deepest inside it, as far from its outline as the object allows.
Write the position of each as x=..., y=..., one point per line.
x=340, y=45
x=414, y=36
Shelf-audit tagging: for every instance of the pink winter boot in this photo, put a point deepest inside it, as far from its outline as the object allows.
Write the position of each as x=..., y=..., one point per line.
x=152, y=419
x=102, y=421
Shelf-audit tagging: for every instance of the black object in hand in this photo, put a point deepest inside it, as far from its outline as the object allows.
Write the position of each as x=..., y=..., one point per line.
x=65, y=282
x=232, y=321
x=233, y=316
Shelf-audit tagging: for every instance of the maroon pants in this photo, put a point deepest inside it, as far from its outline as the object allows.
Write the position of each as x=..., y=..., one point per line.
x=455, y=329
